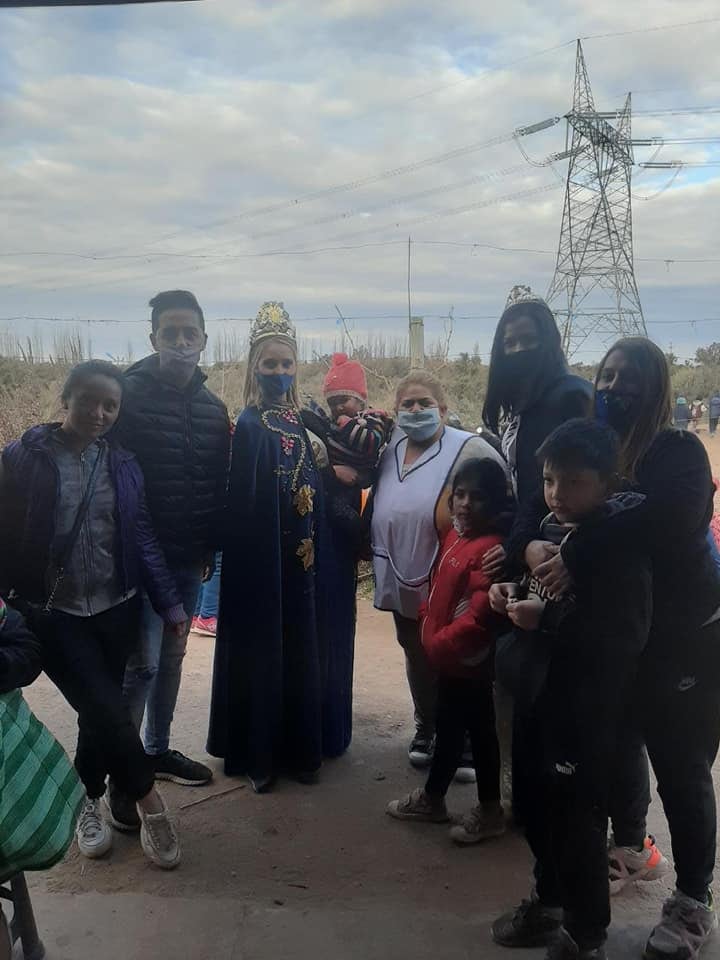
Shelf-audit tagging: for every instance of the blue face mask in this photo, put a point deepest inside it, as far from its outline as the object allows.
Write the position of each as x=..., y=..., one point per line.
x=274, y=386
x=419, y=425
x=618, y=410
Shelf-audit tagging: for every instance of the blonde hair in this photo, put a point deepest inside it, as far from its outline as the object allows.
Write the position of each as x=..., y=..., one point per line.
x=252, y=395
x=421, y=378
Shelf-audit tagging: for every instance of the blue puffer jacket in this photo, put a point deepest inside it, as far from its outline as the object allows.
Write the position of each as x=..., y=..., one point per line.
x=30, y=488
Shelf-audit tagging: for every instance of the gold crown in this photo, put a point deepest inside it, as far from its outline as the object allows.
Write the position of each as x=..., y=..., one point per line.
x=272, y=320
x=522, y=294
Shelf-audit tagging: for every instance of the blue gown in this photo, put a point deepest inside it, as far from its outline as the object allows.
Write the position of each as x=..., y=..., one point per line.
x=270, y=667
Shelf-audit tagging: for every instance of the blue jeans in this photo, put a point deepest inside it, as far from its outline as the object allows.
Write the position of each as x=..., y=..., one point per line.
x=152, y=677
x=209, y=598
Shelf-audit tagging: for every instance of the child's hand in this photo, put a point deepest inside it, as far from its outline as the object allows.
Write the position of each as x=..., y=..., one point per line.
x=500, y=595
x=346, y=475
x=526, y=614
x=538, y=551
x=494, y=561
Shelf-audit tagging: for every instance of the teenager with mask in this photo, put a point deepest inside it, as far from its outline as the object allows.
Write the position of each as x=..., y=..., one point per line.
x=267, y=692
x=529, y=388
x=530, y=392
x=677, y=698
x=180, y=433
x=411, y=516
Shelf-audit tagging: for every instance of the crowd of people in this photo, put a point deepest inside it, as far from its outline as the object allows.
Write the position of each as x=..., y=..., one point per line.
x=690, y=415
x=538, y=557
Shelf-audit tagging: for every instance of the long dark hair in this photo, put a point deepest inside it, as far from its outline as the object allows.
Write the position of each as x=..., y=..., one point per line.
x=499, y=401
x=655, y=402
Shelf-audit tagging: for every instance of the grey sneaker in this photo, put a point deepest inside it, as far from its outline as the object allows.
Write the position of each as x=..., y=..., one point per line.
x=685, y=927
x=94, y=836
x=480, y=824
x=159, y=839
x=419, y=806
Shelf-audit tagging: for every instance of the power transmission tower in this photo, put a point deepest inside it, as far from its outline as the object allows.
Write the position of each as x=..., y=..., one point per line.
x=593, y=292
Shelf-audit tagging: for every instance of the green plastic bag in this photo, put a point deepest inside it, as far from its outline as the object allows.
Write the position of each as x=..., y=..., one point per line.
x=40, y=793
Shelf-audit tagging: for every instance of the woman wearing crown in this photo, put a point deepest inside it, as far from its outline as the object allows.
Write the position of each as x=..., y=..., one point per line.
x=266, y=710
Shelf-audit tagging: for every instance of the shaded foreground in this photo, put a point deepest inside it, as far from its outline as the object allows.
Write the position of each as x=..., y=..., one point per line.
x=304, y=872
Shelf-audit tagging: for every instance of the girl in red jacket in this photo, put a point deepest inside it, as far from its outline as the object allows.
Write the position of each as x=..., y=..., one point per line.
x=458, y=633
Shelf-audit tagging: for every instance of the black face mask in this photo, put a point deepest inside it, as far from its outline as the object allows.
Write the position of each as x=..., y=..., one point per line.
x=520, y=370
x=618, y=410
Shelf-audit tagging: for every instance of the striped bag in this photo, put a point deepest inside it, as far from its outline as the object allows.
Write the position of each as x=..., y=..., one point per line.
x=40, y=793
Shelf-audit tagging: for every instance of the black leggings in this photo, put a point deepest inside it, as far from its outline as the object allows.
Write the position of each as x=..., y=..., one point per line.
x=466, y=705
x=680, y=701
x=85, y=658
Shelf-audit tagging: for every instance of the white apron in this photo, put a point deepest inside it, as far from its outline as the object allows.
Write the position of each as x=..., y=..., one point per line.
x=405, y=525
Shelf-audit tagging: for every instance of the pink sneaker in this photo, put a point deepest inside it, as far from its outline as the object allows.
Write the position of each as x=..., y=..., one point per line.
x=207, y=626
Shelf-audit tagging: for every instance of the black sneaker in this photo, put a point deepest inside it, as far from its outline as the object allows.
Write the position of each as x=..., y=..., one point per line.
x=565, y=948
x=175, y=766
x=421, y=751
x=529, y=925
x=122, y=811
x=261, y=784
x=308, y=777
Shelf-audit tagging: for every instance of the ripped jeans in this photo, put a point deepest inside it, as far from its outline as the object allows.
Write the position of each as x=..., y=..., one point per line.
x=152, y=677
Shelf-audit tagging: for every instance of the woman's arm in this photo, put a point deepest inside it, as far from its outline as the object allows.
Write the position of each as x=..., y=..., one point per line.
x=677, y=483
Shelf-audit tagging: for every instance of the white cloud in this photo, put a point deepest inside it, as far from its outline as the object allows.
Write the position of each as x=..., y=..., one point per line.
x=141, y=133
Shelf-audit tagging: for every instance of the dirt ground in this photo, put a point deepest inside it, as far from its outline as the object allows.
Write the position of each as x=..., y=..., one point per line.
x=304, y=872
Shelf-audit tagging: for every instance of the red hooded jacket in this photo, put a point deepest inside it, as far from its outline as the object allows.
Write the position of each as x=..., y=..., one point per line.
x=458, y=627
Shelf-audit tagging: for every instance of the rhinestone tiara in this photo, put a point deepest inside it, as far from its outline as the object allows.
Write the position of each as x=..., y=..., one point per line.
x=272, y=320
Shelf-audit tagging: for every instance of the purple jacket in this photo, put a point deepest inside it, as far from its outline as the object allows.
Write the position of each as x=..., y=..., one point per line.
x=30, y=483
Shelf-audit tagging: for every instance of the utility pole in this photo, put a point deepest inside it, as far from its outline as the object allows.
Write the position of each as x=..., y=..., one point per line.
x=417, y=343
x=594, y=292
x=416, y=325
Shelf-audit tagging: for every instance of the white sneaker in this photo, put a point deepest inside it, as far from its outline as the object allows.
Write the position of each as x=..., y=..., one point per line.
x=94, y=836
x=159, y=839
x=628, y=865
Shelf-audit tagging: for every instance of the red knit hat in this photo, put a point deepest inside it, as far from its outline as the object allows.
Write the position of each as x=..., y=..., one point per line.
x=345, y=378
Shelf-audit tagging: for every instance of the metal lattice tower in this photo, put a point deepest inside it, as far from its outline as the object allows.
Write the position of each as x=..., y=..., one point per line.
x=593, y=292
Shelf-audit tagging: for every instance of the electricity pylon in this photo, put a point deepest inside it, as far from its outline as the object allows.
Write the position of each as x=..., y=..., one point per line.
x=594, y=293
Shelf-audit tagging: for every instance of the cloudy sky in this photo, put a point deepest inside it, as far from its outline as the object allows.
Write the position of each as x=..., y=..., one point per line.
x=252, y=150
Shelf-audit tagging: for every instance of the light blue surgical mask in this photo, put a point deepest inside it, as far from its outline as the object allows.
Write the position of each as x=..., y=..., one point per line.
x=419, y=425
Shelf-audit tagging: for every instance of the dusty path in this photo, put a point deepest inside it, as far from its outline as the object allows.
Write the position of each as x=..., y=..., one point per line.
x=304, y=872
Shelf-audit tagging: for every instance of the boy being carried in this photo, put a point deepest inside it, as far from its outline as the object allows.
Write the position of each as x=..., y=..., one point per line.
x=584, y=651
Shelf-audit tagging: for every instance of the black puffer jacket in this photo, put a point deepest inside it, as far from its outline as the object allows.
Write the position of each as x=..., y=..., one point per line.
x=182, y=441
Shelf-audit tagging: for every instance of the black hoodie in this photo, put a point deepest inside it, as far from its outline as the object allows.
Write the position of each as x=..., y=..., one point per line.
x=182, y=440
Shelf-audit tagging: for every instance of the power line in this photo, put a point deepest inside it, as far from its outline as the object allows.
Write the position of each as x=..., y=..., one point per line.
x=656, y=29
